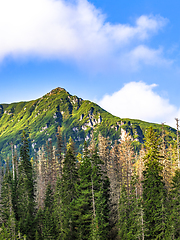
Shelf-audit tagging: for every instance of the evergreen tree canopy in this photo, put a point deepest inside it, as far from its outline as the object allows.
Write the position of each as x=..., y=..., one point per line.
x=68, y=193
x=154, y=192
x=26, y=194
x=175, y=206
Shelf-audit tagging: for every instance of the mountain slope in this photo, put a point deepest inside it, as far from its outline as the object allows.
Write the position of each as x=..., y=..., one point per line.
x=77, y=117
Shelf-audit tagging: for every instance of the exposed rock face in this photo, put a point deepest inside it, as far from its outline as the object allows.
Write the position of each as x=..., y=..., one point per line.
x=44, y=128
x=99, y=119
x=75, y=129
x=84, y=127
x=92, y=121
x=140, y=134
x=123, y=134
x=81, y=118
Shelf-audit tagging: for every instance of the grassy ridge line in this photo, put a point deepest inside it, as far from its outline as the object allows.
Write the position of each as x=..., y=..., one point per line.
x=77, y=117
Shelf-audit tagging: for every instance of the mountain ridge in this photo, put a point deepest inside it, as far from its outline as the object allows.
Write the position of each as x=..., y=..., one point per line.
x=77, y=118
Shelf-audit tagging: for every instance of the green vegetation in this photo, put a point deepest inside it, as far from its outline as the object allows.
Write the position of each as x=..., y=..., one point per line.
x=107, y=182
x=107, y=193
x=154, y=191
x=77, y=118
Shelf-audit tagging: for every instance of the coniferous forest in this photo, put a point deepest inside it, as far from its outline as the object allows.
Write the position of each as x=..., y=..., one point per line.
x=109, y=191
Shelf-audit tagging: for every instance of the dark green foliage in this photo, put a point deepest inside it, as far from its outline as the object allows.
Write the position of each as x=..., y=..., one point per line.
x=101, y=189
x=58, y=211
x=25, y=192
x=174, y=220
x=6, y=196
x=6, y=233
x=49, y=227
x=75, y=196
x=7, y=211
x=17, y=196
x=123, y=224
x=83, y=204
x=39, y=220
x=68, y=194
x=154, y=192
x=92, y=204
x=130, y=218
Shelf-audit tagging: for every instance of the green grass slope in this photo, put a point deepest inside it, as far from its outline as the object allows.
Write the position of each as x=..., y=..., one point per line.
x=77, y=118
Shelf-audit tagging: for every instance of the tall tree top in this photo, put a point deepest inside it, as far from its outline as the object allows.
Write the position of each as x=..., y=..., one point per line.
x=152, y=145
x=70, y=145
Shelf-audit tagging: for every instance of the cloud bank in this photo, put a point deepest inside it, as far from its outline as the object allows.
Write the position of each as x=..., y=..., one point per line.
x=138, y=100
x=75, y=30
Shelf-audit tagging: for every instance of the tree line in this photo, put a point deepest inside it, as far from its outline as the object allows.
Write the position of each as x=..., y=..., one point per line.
x=106, y=192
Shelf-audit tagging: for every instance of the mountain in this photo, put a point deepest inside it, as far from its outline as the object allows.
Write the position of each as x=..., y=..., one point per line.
x=77, y=118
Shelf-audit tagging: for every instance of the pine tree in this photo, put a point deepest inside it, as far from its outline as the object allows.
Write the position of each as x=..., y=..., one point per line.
x=92, y=203
x=58, y=210
x=84, y=203
x=101, y=198
x=123, y=223
x=67, y=195
x=175, y=207
x=154, y=192
x=7, y=210
x=166, y=161
x=25, y=192
x=49, y=227
x=130, y=225
x=41, y=178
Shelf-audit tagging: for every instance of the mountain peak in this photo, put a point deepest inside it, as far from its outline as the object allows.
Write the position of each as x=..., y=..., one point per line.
x=57, y=90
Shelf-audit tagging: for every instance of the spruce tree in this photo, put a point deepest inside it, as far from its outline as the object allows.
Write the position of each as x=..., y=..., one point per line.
x=92, y=202
x=58, y=210
x=130, y=226
x=123, y=224
x=174, y=220
x=25, y=192
x=154, y=192
x=101, y=198
x=84, y=203
x=49, y=227
x=7, y=214
x=67, y=195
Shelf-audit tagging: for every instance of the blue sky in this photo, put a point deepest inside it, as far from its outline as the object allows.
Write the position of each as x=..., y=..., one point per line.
x=123, y=55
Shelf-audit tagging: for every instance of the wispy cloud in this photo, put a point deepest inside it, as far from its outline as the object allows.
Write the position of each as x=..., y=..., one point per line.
x=147, y=56
x=73, y=30
x=139, y=100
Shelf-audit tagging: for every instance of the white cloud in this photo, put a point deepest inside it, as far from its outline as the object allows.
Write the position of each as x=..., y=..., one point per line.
x=142, y=54
x=138, y=100
x=145, y=26
x=70, y=29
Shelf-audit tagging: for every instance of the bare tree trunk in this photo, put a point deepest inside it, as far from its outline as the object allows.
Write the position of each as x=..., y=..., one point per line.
x=93, y=200
x=59, y=151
